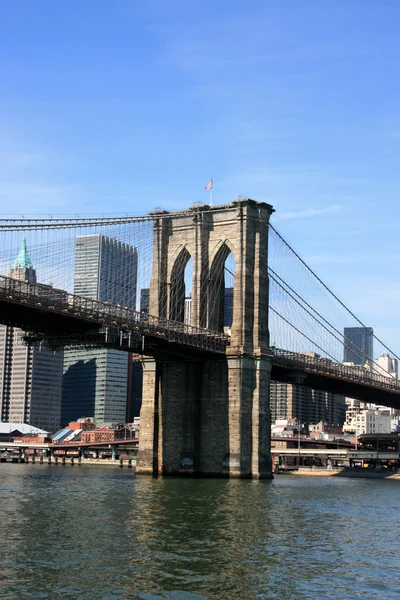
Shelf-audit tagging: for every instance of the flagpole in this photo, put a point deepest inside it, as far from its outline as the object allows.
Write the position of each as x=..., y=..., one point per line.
x=209, y=188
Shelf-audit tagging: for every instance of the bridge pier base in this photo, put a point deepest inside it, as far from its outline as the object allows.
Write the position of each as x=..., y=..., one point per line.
x=147, y=460
x=249, y=417
x=206, y=419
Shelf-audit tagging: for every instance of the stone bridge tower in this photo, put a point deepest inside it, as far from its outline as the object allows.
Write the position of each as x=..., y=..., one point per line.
x=210, y=416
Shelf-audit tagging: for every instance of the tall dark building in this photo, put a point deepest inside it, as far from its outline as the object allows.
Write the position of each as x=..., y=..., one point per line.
x=359, y=342
x=134, y=390
x=228, y=307
x=144, y=300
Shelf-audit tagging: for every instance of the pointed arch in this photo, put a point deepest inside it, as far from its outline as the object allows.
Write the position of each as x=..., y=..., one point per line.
x=216, y=286
x=177, y=286
x=224, y=246
x=177, y=252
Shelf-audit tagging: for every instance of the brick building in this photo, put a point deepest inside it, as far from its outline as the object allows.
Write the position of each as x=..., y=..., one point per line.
x=104, y=434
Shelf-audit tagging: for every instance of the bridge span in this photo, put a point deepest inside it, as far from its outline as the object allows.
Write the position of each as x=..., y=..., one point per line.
x=205, y=407
x=63, y=320
x=60, y=319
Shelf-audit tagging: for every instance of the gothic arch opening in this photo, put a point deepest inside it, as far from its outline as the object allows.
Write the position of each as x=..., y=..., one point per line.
x=221, y=290
x=180, y=287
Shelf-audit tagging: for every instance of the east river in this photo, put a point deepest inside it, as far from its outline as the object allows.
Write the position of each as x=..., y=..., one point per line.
x=101, y=533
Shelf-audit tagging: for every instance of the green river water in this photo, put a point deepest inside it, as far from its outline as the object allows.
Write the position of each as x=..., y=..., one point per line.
x=102, y=533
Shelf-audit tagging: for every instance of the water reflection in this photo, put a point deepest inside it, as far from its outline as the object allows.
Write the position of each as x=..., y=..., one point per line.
x=102, y=533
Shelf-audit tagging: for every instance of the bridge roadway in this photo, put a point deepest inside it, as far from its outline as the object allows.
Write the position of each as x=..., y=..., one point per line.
x=68, y=319
x=324, y=374
x=64, y=319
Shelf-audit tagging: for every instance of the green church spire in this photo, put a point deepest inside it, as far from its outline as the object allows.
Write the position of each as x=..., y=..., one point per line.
x=22, y=260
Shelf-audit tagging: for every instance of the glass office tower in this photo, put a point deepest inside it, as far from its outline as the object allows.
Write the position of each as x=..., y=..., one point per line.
x=359, y=343
x=95, y=381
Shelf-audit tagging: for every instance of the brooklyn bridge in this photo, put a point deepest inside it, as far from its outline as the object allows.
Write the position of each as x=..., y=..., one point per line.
x=205, y=408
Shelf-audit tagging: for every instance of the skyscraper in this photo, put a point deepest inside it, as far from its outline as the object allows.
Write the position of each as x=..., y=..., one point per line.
x=30, y=375
x=144, y=300
x=358, y=345
x=228, y=307
x=309, y=406
x=105, y=270
x=95, y=381
x=291, y=401
x=187, y=319
x=22, y=268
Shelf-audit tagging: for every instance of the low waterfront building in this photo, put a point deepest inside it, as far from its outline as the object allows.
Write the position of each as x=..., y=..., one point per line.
x=382, y=442
x=318, y=429
x=372, y=421
x=376, y=450
x=32, y=439
x=72, y=433
x=285, y=427
x=83, y=424
x=10, y=430
x=105, y=434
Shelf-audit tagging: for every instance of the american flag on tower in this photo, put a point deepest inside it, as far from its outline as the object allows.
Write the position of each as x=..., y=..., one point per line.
x=209, y=185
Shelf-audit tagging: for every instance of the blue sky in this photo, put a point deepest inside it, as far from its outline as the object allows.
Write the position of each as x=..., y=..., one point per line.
x=127, y=105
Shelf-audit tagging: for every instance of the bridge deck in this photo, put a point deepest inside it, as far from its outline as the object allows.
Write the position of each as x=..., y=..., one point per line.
x=58, y=314
x=55, y=312
x=324, y=374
